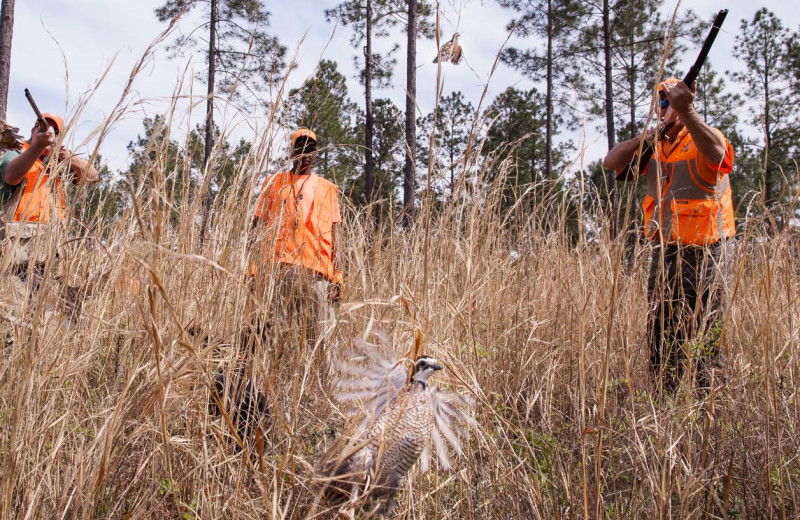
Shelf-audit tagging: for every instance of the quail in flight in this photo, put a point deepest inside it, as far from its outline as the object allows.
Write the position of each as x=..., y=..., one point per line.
x=403, y=419
x=450, y=51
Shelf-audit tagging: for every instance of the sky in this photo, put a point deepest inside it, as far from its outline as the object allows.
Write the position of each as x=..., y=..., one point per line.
x=63, y=49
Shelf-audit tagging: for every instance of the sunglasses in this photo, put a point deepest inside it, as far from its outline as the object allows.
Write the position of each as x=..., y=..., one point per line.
x=304, y=145
x=664, y=103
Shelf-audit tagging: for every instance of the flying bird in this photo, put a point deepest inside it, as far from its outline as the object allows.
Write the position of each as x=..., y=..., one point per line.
x=450, y=51
x=403, y=419
x=9, y=137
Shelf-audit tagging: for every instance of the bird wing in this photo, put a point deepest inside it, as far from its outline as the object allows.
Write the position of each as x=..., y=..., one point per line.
x=444, y=52
x=457, y=55
x=451, y=422
x=369, y=379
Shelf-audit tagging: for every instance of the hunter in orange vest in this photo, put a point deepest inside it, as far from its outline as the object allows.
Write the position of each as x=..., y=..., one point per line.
x=688, y=214
x=296, y=222
x=32, y=200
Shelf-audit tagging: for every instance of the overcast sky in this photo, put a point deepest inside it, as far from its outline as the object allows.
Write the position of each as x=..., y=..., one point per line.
x=61, y=48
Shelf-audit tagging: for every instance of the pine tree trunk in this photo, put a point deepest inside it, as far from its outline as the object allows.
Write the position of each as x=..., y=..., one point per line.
x=370, y=123
x=212, y=37
x=632, y=91
x=209, y=130
x=6, y=35
x=768, y=187
x=613, y=195
x=548, y=133
x=409, y=169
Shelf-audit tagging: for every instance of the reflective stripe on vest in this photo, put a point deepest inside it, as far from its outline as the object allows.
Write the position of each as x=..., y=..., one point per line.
x=691, y=209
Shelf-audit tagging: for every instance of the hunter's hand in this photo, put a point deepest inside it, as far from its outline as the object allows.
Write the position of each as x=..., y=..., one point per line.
x=42, y=140
x=680, y=97
x=650, y=135
x=64, y=154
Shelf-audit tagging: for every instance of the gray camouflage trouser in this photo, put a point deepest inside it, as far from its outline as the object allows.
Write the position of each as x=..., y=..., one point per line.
x=686, y=305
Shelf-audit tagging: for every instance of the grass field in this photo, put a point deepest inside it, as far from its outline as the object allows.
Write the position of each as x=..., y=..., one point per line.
x=107, y=416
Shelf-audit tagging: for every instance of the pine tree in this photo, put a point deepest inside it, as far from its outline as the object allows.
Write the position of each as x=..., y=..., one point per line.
x=556, y=22
x=410, y=163
x=323, y=105
x=159, y=163
x=765, y=48
x=389, y=147
x=99, y=203
x=453, y=119
x=369, y=19
x=239, y=50
x=518, y=134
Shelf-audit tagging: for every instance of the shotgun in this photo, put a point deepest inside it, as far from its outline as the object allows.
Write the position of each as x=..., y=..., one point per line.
x=39, y=119
x=639, y=161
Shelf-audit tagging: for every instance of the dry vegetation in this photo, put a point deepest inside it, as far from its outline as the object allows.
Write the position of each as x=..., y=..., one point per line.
x=107, y=416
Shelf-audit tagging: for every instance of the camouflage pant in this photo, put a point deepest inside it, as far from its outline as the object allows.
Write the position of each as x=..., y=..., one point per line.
x=302, y=305
x=686, y=305
x=26, y=248
x=298, y=307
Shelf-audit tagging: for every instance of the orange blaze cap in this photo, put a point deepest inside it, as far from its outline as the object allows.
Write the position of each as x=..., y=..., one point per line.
x=56, y=119
x=670, y=81
x=303, y=132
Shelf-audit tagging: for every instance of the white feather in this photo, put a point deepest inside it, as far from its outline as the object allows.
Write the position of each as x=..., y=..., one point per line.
x=425, y=458
x=441, y=449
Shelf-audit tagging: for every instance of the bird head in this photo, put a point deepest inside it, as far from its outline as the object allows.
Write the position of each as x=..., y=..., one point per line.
x=424, y=368
x=455, y=38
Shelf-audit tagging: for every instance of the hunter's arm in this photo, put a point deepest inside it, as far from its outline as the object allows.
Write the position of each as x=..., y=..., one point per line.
x=19, y=166
x=83, y=170
x=708, y=142
x=622, y=154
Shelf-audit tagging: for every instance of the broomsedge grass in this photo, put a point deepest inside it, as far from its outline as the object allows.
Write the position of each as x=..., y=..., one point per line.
x=105, y=414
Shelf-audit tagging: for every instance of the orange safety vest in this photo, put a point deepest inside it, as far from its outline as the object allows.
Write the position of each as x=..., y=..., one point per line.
x=300, y=211
x=695, y=206
x=40, y=200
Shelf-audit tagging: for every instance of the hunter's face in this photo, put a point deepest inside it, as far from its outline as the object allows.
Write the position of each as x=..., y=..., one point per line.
x=304, y=154
x=663, y=104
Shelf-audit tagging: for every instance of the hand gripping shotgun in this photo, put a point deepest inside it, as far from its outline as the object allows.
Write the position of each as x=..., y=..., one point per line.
x=639, y=161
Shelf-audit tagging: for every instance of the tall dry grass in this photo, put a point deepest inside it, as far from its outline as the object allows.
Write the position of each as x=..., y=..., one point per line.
x=106, y=416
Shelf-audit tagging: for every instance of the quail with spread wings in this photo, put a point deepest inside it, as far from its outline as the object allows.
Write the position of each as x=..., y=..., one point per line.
x=403, y=419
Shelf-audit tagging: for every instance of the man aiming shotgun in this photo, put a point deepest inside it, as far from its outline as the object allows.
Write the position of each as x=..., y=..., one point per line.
x=32, y=205
x=688, y=212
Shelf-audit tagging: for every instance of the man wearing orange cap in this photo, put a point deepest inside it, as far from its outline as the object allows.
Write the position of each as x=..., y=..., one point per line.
x=32, y=204
x=688, y=212
x=297, y=217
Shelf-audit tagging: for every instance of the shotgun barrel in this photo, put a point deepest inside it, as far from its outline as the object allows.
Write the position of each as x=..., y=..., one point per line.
x=39, y=119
